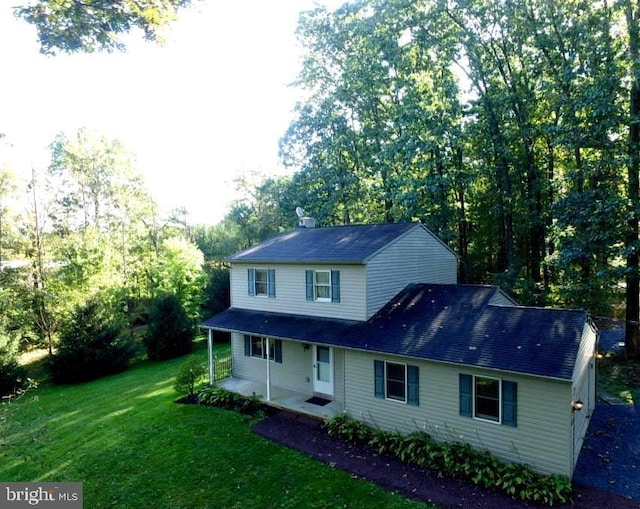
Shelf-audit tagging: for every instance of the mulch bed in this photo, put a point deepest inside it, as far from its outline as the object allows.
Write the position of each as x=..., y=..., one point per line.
x=305, y=434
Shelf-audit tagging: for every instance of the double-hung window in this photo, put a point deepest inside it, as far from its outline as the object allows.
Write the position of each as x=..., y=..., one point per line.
x=261, y=282
x=488, y=399
x=256, y=346
x=396, y=381
x=323, y=285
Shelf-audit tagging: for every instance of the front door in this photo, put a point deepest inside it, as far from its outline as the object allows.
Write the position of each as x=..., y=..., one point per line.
x=323, y=369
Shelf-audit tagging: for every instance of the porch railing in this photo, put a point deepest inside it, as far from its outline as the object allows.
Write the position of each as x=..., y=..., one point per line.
x=223, y=368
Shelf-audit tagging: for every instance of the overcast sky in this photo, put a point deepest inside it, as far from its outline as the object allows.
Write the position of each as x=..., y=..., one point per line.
x=213, y=101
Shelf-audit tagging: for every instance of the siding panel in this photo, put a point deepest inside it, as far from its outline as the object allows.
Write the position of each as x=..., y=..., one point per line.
x=291, y=292
x=583, y=388
x=294, y=373
x=417, y=257
x=541, y=438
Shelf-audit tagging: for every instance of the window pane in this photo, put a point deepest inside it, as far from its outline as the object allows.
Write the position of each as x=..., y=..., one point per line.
x=396, y=383
x=261, y=282
x=323, y=292
x=323, y=353
x=324, y=374
x=323, y=278
x=487, y=403
x=256, y=346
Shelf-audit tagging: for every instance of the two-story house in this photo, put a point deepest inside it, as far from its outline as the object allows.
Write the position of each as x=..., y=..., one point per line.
x=370, y=320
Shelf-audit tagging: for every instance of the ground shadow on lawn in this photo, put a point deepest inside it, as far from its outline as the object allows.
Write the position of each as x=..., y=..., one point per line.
x=306, y=434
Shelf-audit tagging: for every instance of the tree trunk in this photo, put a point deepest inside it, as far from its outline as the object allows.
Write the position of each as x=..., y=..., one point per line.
x=632, y=336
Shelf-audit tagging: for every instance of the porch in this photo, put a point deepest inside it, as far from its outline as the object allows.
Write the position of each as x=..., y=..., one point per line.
x=283, y=398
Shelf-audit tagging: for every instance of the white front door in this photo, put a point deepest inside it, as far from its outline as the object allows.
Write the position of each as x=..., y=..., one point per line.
x=323, y=369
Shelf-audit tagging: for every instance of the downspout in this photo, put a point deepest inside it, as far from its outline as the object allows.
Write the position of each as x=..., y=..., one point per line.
x=268, y=371
x=212, y=374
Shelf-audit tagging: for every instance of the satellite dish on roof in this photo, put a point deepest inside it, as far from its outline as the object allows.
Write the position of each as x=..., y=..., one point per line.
x=300, y=212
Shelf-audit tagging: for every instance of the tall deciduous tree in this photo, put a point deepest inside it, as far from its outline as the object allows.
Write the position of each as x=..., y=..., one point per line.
x=632, y=339
x=93, y=25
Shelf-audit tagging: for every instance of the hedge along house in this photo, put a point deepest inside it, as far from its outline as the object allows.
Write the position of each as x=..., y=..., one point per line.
x=369, y=320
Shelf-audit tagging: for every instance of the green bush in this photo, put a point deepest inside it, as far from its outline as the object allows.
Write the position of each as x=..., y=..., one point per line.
x=170, y=333
x=94, y=342
x=192, y=371
x=222, y=398
x=456, y=460
x=12, y=375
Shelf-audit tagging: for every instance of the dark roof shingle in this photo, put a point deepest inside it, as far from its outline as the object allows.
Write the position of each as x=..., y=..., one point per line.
x=447, y=323
x=345, y=244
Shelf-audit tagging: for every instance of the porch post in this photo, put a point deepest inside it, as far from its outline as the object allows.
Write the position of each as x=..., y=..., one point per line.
x=212, y=374
x=268, y=372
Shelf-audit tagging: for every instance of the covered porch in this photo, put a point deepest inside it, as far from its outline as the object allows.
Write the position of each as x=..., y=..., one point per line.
x=283, y=398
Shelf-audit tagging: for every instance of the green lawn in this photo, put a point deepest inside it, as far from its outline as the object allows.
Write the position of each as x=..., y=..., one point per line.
x=132, y=446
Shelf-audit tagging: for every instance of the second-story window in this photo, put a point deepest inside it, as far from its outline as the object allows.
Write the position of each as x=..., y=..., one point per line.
x=323, y=285
x=262, y=282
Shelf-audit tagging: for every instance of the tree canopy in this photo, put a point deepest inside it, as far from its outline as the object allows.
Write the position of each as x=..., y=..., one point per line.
x=94, y=25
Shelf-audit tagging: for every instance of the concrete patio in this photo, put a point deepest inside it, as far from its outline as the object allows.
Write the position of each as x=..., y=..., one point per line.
x=282, y=398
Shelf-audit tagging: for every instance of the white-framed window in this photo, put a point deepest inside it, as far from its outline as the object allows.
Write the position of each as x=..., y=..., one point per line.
x=396, y=381
x=487, y=397
x=256, y=346
x=323, y=285
x=395, y=377
x=261, y=282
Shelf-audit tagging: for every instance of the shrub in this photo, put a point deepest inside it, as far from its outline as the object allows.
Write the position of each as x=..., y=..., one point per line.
x=12, y=375
x=222, y=398
x=457, y=460
x=192, y=371
x=170, y=333
x=94, y=342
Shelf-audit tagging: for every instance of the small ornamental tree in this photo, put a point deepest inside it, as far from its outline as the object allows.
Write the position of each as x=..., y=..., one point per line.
x=94, y=342
x=192, y=371
x=170, y=332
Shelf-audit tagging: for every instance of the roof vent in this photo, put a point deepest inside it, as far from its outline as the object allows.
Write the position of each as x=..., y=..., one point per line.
x=304, y=221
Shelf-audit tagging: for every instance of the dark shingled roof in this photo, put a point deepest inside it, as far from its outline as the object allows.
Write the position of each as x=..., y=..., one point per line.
x=447, y=323
x=344, y=244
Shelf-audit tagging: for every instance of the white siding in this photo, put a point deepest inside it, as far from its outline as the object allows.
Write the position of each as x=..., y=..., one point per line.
x=417, y=257
x=541, y=438
x=294, y=373
x=583, y=389
x=501, y=299
x=291, y=293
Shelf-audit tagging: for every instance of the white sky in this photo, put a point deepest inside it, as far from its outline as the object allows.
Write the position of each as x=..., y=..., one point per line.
x=213, y=101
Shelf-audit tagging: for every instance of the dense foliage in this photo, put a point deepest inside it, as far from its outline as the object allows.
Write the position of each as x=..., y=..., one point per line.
x=72, y=26
x=192, y=372
x=170, y=332
x=90, y=230
x=505, y=127
x=94, y=342
x=456, y=460
x=12, y=375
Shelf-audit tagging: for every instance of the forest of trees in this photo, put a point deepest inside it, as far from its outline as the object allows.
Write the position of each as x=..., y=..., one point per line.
x=510, y=128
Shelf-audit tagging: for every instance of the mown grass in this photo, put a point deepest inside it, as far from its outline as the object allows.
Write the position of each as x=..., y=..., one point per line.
x=133, y=447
